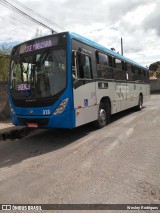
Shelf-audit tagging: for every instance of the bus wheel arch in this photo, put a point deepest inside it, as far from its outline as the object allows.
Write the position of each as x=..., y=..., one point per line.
x=104, y=112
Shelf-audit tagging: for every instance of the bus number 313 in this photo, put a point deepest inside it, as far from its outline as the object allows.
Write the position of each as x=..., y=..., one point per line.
x=46, y=112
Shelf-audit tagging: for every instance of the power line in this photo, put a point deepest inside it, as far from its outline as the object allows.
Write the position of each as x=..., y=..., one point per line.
x=37, y=14
x=14, y=31
x=15, y=9
x=13, y=20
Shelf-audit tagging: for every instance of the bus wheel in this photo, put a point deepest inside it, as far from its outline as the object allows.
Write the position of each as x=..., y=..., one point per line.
x=103, y=115
x=140, y=103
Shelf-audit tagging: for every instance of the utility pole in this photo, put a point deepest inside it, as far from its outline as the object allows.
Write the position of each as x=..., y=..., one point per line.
x=121, y=46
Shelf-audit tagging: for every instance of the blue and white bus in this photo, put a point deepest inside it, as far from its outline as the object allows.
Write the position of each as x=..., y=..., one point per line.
x=65, y=80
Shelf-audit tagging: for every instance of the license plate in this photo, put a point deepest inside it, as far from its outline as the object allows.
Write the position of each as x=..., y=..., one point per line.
x=32, y=125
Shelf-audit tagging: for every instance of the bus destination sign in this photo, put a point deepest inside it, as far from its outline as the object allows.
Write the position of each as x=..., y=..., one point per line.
x=38, y=46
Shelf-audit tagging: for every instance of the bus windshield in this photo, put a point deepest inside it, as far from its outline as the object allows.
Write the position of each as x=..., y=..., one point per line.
x=38, y=74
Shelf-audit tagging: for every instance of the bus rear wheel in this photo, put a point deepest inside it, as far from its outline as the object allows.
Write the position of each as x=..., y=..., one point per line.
x=103, y=115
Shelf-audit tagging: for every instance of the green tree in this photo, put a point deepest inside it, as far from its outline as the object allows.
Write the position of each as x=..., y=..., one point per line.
x=6, y=49
x=154, y=69
x=154, y=66
x=4, y=66
x=158, y=71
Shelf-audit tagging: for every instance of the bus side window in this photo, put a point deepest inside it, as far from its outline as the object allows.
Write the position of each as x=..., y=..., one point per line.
x=85, y=71
x=74, y=68
x=104, y=66
x=102, y=63
x=129, y=72
x=113, y=62
x=110, y=69
x=87, y=68
x=118, y=64
x=102, y=59
x=119, y=71
x=136, y=74
x=133, y=70
x=124, y=66
x=144, y=75
x=110, y=61
x=140, y=73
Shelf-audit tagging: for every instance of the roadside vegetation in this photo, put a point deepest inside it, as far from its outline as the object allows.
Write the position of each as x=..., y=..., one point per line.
x=155, y=68
x=4, y=62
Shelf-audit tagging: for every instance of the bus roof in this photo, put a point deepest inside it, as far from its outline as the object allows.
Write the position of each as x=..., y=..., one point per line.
x=104, y=49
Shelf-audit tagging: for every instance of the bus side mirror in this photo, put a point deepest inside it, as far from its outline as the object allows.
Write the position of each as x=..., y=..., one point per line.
x=81, y=59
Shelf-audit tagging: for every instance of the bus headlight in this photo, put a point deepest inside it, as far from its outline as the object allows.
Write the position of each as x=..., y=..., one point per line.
x=61, y=107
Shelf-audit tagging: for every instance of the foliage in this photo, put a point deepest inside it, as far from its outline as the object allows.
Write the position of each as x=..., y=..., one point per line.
x=4, y=66
x=155, y=66
x=155, y=69
x=158, y=71
x=5, y=51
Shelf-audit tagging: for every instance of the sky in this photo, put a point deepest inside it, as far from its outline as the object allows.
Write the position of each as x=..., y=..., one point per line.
x=102, y=21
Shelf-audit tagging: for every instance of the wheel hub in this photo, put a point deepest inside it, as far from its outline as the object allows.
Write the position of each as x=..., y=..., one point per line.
x=102, y=115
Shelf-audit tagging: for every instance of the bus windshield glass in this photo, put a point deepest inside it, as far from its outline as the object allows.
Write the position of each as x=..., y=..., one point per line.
x=38, y=74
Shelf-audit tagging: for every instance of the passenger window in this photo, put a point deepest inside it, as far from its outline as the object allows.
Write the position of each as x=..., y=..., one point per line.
x=104, y=63
x=123, y=65
x=102, y=59
x=110, y=61
x=114, y=62
x=87, y=68
x=118, y=64
x=136, y=70
x=129, y=72
x=133, y=69
x=129, y=67
x=144, y=72
x=139, y=71
x=119, y=73
x=137, y=74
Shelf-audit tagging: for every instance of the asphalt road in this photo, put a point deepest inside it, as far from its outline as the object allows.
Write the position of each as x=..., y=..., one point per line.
x=119, y=164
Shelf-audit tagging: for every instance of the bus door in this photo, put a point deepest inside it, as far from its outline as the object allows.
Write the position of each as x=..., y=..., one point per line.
x=84, y=92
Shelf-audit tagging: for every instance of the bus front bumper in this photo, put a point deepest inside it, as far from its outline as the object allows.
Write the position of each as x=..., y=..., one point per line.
x=63, y=120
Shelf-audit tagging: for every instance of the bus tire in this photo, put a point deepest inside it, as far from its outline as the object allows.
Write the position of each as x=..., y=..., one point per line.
x=140, y=103
x=103, y=115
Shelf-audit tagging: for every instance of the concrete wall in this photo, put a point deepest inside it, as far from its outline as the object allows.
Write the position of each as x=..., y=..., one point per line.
x=4, y=104
x=155, y=85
